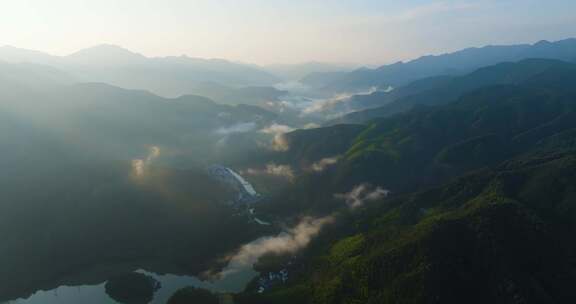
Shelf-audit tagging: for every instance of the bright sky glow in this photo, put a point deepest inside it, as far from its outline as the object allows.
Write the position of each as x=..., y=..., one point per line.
x=281, y=31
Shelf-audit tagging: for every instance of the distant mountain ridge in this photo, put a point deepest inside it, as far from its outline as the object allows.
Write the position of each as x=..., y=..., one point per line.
x=443, y=89
x=168, y=76
x=455, y=63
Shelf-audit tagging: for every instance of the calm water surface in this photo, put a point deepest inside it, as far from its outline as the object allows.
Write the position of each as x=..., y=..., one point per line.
x=170, y=283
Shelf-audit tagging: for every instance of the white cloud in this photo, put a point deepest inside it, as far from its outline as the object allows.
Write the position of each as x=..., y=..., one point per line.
x=324, y=163
x=279, y=141
x=273, y=170
x=311, y=126
x=139, y=166
x=361, y=194
x=292, y=86
x=290, y=241
x=276, y=129
x=328, y=104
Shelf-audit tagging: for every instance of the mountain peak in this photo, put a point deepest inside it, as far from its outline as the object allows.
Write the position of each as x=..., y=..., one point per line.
x=107, y=54
x=542, y=42
x=106, y=47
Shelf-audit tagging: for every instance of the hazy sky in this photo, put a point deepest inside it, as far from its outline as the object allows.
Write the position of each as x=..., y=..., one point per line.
x=283, y=31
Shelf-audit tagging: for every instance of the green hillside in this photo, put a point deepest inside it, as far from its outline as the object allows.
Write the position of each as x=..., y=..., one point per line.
x=495, y=236
x=483, y=206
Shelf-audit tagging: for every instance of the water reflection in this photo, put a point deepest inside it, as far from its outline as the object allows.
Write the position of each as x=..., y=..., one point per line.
x=65, y=294
x=96, y=294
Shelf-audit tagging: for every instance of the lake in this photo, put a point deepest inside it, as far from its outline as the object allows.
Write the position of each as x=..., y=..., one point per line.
x=234, y=282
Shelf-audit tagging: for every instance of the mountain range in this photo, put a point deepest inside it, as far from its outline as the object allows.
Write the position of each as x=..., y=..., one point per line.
x=451, y=183
x=167, y=76
x=456, y=63
x=481, y=210
x=440, y=89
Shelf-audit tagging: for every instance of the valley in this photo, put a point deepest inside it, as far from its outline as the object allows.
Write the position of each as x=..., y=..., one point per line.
x=128, y=178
